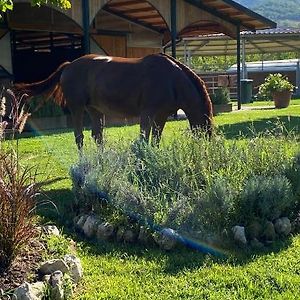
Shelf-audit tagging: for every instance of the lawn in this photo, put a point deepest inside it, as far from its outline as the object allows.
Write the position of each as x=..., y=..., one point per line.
x=115, y=271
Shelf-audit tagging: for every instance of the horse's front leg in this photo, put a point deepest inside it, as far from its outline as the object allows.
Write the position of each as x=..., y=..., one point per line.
x=157, y=128
x=145, y=126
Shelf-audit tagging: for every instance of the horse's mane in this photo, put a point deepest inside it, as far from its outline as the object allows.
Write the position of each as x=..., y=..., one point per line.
x=50, y=87
x=197, y=82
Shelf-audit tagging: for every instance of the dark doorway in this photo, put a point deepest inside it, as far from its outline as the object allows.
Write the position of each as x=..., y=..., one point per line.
x=37, y=54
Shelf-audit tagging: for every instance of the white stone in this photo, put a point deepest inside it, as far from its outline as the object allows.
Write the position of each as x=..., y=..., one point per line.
x=144, y=235
x=53, y=265
x=51, y=230
x=81, y=221
x=239, y=234
x=283, y=226
x=105, y=231
x=129, y=236
x=56, y=282
x=75, y=267
x=166, y=238
x=90, y=226
x=28, y=291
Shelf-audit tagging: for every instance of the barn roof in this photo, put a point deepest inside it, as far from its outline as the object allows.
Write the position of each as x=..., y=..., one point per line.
x=143, y=13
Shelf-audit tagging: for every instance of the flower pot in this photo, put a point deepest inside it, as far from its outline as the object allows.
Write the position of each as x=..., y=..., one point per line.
x=282, y=99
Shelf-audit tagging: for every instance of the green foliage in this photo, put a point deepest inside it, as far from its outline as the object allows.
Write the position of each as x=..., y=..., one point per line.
x=193, y=185
x=274, y=83
x=48, y=109
x=57, y=246
x=264, y=198
x=223, y=63
x=221, y=96
x=9, y=4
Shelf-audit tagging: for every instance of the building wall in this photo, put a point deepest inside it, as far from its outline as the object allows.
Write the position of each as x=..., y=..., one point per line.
x=5, y=57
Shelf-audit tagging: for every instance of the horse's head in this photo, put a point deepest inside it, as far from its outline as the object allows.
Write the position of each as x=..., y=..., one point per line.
x=201, y=123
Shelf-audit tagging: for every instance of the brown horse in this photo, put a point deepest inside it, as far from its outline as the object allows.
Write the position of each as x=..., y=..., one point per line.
x=153, y=88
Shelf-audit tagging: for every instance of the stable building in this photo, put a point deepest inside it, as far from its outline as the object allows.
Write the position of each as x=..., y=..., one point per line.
x=34, y=41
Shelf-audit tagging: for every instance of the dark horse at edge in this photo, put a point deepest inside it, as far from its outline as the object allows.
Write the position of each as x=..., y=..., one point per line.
x=152, y=88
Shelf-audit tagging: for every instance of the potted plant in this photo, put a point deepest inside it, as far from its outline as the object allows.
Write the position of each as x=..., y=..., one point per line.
x=221, y=100
x=277, y=87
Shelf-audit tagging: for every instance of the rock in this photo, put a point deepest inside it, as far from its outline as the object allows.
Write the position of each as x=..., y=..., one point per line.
x=51, y=230
x=239, y=235
x=254, y=230
x=81, y=221
x=129, y=236
x=283, y=226
x=256, y=244
x=120, y=234
x=56, y=283
x=75, y=268
x=269, y=232
x=166, y=238
x=46, y=278
x=105, y=231
x=145, y=236
x=90, y=226
x=53, y=265
x=28, y=291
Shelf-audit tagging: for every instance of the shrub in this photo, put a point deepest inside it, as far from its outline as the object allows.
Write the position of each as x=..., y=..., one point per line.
x=192, y=185
x=18, y=186
x=221, y=96
x=265, y=198
x=17, y=203
x=274, y=83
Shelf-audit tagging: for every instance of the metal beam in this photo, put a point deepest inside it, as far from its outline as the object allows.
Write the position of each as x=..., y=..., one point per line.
x=238, y=58
x=173, y=26
x=86, y=25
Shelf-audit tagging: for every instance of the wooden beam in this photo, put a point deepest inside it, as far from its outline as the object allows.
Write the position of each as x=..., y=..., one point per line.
x=133, y=20
x=124, y=3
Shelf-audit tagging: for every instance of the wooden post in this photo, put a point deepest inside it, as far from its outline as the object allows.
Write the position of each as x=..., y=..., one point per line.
x=173, y=26
x=238, y=69
x=86, y=25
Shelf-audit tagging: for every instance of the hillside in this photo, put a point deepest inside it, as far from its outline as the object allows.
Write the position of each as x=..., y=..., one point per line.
x=285, y=12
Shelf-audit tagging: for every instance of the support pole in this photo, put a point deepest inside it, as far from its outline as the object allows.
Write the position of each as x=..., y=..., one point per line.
x=244, y=67
x=238, y=57
x=86, y=26
x=173, y=26
x=298, y=79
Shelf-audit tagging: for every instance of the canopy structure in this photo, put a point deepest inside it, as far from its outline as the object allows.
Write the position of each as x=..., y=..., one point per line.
x=262, y=41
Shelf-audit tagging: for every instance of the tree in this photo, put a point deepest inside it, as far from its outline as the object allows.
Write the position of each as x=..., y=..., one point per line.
x=9, y=4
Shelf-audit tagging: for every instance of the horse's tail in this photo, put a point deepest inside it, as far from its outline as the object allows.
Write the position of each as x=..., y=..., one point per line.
x=50, y=87
x=197, y=82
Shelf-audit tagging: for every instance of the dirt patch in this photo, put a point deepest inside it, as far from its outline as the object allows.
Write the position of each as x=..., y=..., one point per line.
x=24, y=267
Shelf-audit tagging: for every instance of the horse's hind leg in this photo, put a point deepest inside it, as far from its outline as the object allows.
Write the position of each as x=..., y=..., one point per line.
x=77, y=118
x=97, y=119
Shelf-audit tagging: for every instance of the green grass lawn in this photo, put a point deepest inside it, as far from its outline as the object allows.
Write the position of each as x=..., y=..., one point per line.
x=115, y=271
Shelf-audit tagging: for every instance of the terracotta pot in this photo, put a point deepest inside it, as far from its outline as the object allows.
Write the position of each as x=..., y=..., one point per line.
x=282, y=99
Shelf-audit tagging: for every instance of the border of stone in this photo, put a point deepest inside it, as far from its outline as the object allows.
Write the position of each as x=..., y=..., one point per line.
x=59, y=277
